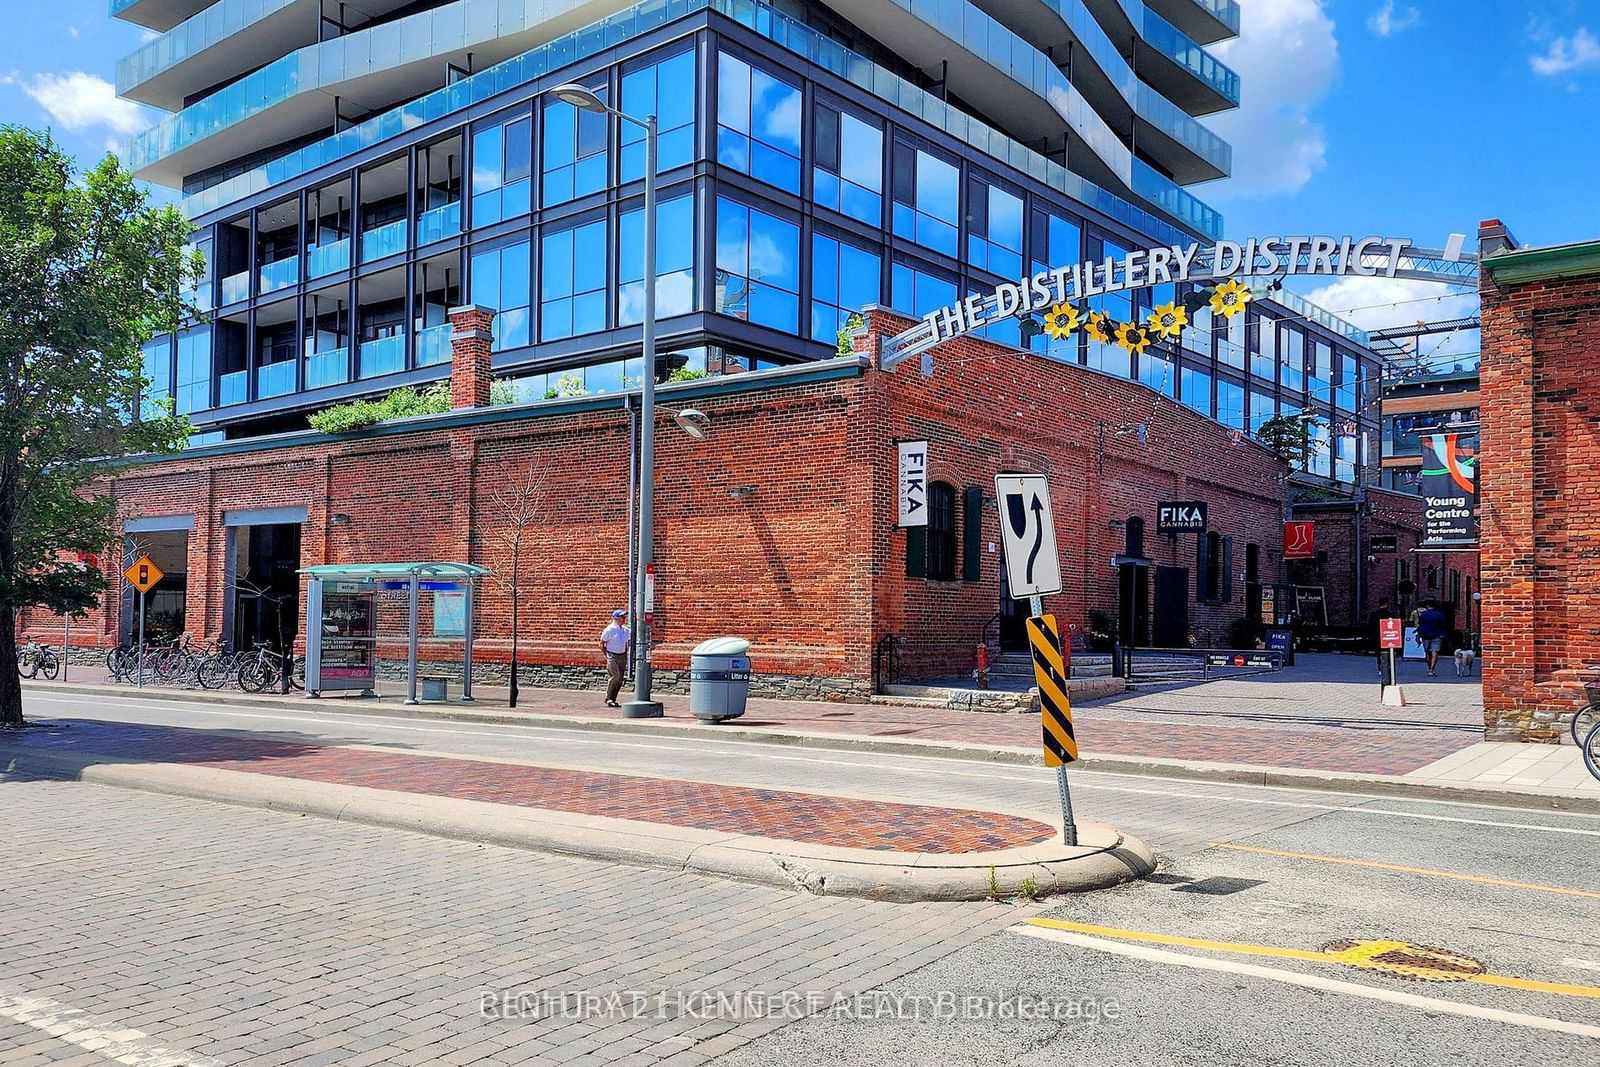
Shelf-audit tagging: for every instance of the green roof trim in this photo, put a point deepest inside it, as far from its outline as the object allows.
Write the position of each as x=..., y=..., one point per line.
x=440, y=569
x=1540, y=264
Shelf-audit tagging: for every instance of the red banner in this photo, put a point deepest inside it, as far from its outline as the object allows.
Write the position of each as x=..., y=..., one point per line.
x=1299, y=540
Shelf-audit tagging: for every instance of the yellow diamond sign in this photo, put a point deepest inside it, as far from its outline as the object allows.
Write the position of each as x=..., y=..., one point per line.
x=143, y=575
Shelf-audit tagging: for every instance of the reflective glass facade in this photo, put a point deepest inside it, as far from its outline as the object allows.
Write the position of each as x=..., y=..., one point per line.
x=799, y=182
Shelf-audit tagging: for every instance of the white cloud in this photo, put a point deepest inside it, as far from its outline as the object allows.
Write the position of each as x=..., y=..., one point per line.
x=1386, y=22
x=1287, y=58
x=1567, y=54
x=1384, y=303
x=80, y=101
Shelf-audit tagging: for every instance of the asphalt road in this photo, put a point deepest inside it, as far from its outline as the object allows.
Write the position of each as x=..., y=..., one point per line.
x=1241, y=950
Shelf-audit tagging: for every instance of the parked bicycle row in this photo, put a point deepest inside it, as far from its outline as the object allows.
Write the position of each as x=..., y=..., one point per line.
x=180, y=662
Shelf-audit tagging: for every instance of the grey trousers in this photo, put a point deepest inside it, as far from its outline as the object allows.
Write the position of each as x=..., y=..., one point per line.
x=616, y=667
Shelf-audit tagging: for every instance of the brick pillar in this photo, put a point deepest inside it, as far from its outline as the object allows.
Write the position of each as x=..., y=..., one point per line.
x=471, y=343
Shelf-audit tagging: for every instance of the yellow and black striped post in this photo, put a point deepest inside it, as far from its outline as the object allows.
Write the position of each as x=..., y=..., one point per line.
x=1055, y=709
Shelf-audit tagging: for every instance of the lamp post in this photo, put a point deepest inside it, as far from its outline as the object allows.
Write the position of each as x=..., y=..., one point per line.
x=642, y=706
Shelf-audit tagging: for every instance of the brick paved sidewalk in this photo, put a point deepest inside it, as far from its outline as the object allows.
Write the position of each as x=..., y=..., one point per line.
x=1321, y=724
x=838, y=822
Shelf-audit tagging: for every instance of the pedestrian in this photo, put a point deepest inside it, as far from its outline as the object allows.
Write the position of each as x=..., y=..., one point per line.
x=614, y=643
x=1431, y=627
x=1375, y=629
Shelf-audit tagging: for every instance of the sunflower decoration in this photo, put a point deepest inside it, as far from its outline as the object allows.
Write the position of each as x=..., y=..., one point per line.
x=1168, y=320
x=1133, y=337
x=1099, y=327
x=1229, y=298
x=1062, y=321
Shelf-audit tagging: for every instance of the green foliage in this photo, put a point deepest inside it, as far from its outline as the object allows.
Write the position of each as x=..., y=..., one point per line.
x=567, y=386
x=1102, y=631
x=502, y=393
x=1029, y=888
x=89, y=273
x=994, y=885
x=1289, y=438
x=686, y=374
x=403, y=403
x=851, y=325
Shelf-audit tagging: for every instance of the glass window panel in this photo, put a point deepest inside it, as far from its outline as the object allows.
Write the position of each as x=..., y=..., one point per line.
x=758, y=124
x=675, y=244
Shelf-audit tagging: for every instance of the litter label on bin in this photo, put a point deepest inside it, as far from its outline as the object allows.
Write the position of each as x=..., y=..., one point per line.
x=718, y=676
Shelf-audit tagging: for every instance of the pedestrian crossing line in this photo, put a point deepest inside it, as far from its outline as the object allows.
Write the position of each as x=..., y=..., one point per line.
x=1402, y=869
x=1307, y=981
x=73, y=1025
x=1283, y=953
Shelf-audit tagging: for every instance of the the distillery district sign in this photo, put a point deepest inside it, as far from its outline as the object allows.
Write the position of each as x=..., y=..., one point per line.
x=1058, y=296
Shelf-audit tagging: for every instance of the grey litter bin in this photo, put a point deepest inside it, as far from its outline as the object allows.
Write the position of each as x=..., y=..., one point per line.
x=719, y=679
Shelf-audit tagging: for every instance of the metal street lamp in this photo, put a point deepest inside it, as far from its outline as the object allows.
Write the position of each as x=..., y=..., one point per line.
x=642, y=706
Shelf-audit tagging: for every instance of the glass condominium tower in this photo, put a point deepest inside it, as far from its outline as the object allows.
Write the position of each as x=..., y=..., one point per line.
x=357, y=170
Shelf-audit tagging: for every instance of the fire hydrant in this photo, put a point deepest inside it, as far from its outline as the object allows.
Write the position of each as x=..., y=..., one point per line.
x=981, y=675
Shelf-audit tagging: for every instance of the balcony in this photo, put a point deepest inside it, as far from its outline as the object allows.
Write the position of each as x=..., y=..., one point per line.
x=275, y=379
x=327, y=368
x=322, y=260
x=439, y=223
x=156, y=14
x=1207, y=21
x=233, y=388
x=384, y=241
x=236, y=287
x=433, y=345
x=1182, y=71
x=382, y=355
x=280, y=275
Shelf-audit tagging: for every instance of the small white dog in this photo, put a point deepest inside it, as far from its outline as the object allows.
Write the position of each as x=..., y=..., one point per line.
x=1465, y=658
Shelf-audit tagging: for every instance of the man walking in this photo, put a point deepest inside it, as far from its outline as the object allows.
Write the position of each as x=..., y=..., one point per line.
x=1430, y=634
x=614, y=643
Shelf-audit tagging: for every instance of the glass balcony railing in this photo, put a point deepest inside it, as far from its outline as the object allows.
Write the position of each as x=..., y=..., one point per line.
x=331, y=367
x=236, y=287
x=190, y=37
x=384, y=241
x=382, y=355
x=1177, y=46
x=275, y=379
x=233, y=388
x=325, y=259
x=280, y=274
x=645, y=17
x=433, y=345
x=439, y=223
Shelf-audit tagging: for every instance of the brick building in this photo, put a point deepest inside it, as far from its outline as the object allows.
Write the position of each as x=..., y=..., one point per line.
x=780, y=527
x=1539, y=483
x=1368, y=551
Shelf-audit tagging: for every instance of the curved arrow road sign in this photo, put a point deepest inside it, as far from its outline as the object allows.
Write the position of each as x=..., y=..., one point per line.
x=1027, y=529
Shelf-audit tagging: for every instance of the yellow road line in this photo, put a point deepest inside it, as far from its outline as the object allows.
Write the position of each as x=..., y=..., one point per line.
x=1279, y=952
x=1375, y=865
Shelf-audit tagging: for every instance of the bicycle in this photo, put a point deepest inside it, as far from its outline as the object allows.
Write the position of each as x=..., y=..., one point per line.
x=34, y=659
x=1585, y=720
x=262, y=670
x=1591, y=751
x=220, y=670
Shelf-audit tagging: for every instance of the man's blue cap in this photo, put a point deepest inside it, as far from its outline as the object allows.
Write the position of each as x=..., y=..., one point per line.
x=619, y=614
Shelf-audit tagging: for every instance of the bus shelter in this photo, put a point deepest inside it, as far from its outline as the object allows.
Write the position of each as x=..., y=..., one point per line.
x=344, y=605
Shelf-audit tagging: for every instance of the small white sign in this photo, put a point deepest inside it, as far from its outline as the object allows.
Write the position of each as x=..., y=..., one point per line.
x=913, y=510
x=1028, y=531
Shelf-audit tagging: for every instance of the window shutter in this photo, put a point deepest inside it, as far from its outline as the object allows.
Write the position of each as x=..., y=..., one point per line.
x=916, y=551
x=1227, y=570
x=1202, y=568
x=972, y=534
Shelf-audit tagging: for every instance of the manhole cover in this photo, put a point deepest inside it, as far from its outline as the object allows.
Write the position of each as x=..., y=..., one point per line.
x=1403, y=959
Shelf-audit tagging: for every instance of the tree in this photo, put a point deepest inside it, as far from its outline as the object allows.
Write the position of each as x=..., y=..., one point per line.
x=1289, y=438
x=89, y=273
x=518, y=507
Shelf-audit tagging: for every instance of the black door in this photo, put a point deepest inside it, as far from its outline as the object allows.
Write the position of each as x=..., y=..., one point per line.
x=1013, y=635
x=1172, y=607
x=1133, y=604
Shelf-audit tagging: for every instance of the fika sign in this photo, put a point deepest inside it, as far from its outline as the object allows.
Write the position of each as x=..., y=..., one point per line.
x=1258, y=257
x=1181, y=516
x=913, y=494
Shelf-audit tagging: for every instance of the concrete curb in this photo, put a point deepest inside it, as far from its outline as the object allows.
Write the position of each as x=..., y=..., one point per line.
x=1232, y=773
x=1105, y=857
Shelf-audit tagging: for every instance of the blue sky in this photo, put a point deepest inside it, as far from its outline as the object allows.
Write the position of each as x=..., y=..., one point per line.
x=1412, y=118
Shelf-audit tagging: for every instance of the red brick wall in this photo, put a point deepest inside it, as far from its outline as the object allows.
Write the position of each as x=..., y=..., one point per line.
x=803, y=560
x=1540, y=502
